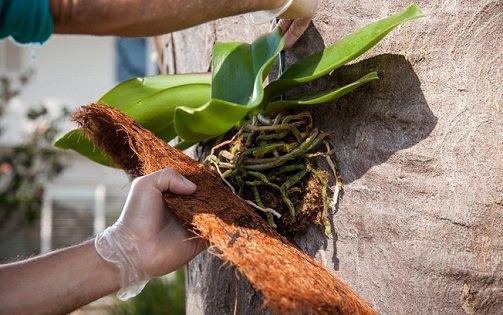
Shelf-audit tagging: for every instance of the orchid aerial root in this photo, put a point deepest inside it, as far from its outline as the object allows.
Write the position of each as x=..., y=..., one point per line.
x=278, y=155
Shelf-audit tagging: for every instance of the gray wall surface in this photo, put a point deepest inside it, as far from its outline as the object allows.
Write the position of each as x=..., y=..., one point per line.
x=419, y=229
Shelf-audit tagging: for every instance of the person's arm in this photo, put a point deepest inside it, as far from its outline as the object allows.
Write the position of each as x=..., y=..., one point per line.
x=144, y=18
x=155, y=17
x=56, y=283
x=64, y=280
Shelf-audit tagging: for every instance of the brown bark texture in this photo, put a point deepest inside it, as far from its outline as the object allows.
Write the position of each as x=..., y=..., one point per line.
x=291, y=281
x=419, y=227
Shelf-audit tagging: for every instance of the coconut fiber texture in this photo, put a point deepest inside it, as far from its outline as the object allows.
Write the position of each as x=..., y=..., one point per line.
x=291, y=281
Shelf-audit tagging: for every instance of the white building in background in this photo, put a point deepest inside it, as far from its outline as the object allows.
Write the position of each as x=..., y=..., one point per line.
x=70, y=71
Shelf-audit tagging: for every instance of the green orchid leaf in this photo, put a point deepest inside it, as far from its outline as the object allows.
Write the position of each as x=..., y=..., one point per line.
x=229, y=60
x=76, y=141
x=319, y=98
x=184, y=145
x=340, y=53
x=237, y=88
x=239, y=69
x=134, y=90
x=264, y=52
x=210, y=120
x=154, y=112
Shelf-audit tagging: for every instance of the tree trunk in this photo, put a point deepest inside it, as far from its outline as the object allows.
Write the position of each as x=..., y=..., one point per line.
x=419, y=226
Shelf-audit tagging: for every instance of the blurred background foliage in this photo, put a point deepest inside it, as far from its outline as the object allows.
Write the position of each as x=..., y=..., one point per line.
x=26, y=167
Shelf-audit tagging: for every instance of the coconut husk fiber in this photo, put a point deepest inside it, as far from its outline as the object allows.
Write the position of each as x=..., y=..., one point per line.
x=290, y=281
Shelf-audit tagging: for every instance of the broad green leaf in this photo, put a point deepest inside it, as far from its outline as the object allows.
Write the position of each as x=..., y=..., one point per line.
x=208, y=121
x=184, y=145
x=134, y=90
x=239, y=69
x=233, y=75
x=76, y=141
x=264, y=51
x=319, y=98
x=340, y=53
x=237, y=88
x=154, y=112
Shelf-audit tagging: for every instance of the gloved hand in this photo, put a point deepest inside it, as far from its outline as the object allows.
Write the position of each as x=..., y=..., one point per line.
x=147, y=240
x=296, y=19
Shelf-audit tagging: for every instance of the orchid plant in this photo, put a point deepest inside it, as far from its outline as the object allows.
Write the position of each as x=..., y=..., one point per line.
x=196, y=107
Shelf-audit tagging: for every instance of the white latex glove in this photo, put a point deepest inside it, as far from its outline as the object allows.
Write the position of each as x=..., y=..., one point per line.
x=148, y=240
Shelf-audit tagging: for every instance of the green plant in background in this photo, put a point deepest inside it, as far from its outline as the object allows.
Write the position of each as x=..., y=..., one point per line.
x=26, y=168
x=273, y=148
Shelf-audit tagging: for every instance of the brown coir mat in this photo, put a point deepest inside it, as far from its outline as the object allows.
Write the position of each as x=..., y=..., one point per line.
x=291, y=281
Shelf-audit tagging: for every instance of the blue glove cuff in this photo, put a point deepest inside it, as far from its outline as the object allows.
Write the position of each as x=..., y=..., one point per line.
x=27, y=21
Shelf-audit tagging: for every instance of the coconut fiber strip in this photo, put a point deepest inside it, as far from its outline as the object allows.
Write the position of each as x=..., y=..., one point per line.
x=291, y=281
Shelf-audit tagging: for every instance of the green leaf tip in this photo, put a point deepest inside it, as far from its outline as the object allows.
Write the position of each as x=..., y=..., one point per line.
x=76, y=141
x=340, y=53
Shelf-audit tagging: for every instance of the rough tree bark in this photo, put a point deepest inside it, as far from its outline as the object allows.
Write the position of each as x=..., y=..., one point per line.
x=419, y=227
